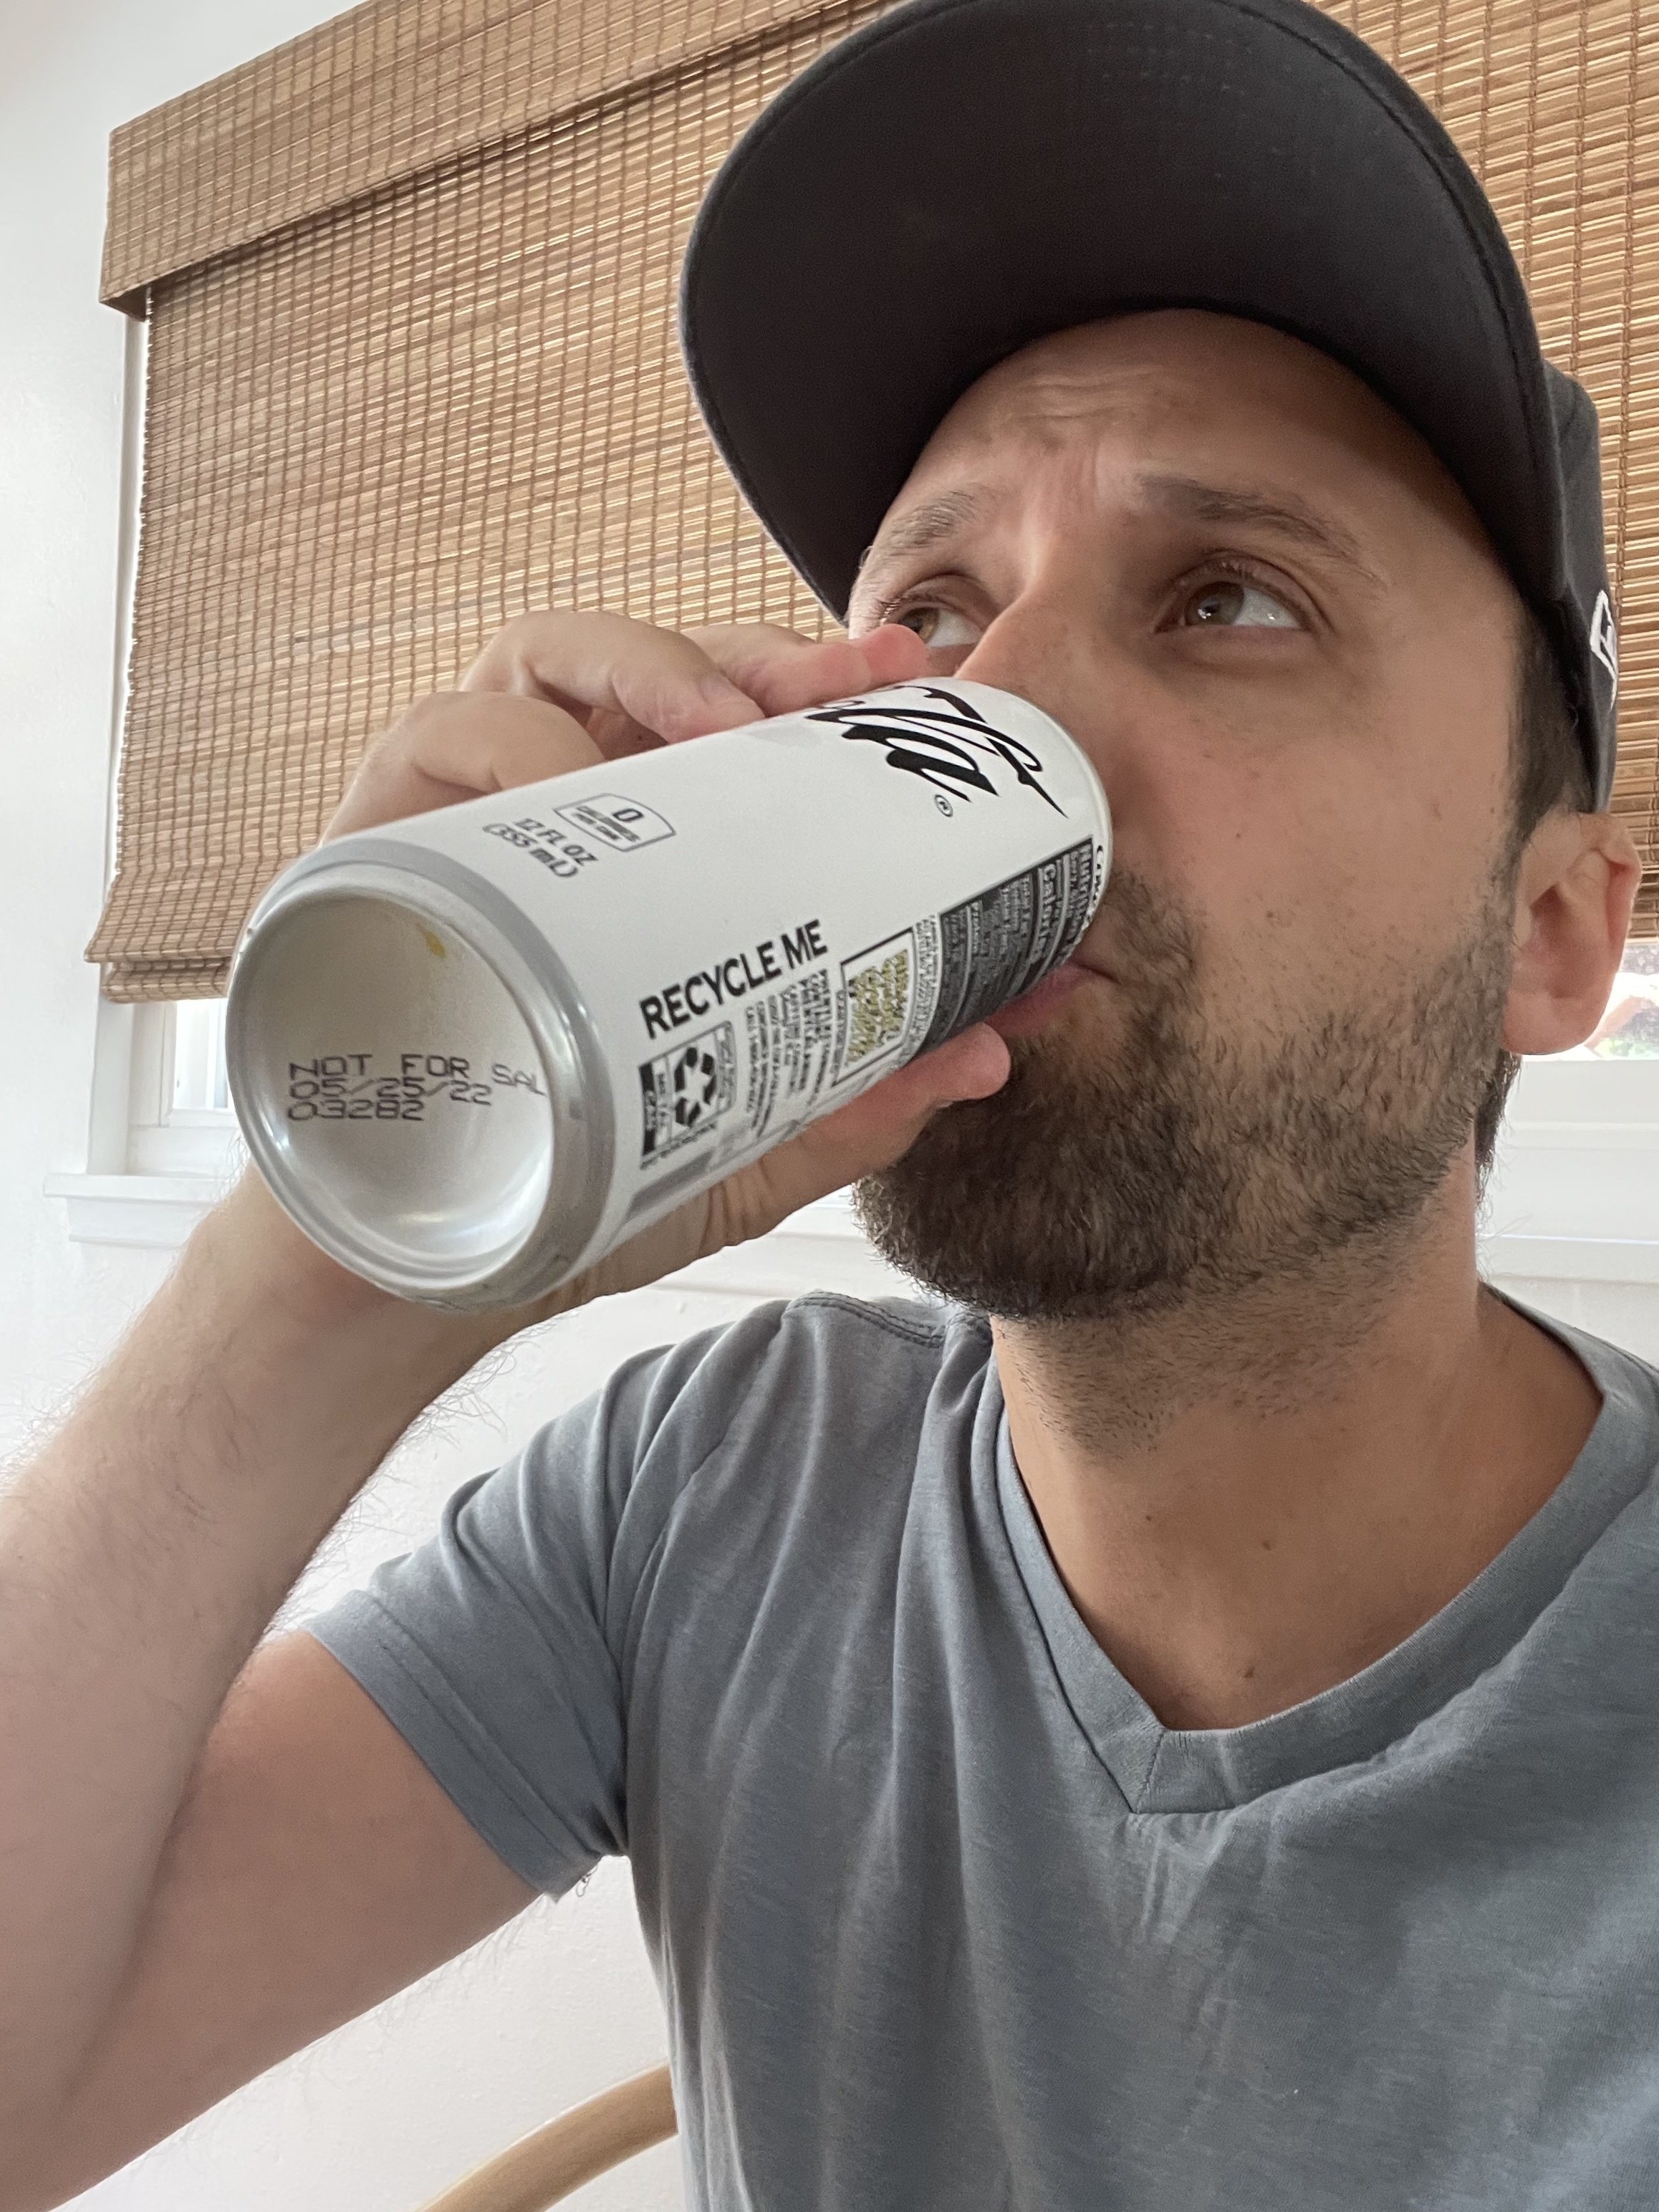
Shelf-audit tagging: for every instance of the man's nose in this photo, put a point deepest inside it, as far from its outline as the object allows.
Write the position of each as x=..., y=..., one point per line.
x=1050, y=650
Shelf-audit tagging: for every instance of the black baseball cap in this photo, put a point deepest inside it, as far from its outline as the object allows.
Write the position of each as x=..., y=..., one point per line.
x=960, y=177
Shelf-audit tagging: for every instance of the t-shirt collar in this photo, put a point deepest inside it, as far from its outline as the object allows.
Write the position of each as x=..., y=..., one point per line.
x=1163, y=1770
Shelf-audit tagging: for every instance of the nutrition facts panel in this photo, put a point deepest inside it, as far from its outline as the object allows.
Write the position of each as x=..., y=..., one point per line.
x=990, y=948
x=790, y=1035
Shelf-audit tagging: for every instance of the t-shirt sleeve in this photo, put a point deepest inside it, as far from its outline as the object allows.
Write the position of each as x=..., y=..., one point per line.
x=499, y=1648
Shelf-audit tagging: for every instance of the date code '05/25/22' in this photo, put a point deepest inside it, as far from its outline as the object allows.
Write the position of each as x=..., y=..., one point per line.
x=403, y=1086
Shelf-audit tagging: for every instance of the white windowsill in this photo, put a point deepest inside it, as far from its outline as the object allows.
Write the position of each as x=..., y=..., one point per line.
x=819, y=1247
x=159, y=1211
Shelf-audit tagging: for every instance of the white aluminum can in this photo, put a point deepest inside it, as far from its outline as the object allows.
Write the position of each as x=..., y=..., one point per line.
x=473, y=1051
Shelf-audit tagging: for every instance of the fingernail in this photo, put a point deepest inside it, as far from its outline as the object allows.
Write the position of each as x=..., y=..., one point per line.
x=983, y=1063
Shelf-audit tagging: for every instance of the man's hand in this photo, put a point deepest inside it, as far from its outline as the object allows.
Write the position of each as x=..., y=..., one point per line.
x=553, y=692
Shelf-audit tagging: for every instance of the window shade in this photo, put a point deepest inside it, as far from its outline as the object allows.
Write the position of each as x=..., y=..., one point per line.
x=410, y=283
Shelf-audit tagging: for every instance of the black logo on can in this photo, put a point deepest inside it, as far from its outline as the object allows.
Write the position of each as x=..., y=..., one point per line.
x=947, y=746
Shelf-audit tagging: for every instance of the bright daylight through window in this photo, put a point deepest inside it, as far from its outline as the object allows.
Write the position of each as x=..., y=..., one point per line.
x=1630, y=1028
x=199, y=1084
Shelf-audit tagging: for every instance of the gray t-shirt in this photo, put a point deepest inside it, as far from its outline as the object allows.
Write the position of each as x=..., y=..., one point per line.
x=944, y=1919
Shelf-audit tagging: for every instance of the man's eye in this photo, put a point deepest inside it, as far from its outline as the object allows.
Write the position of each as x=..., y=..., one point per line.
x=1231, y=605
x=934, y=626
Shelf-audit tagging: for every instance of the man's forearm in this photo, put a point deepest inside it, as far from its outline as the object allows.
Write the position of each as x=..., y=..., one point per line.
x=141, y=1557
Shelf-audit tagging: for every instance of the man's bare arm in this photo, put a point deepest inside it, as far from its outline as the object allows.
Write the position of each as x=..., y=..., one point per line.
x=188, y=1893
x=146, y=1886
x=315, y=1867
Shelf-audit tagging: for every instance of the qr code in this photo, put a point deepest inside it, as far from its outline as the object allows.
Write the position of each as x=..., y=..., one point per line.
x=683, y=1092
x=878, y=986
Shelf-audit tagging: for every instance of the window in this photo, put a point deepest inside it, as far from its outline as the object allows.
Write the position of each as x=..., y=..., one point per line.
x=198, y=1094
x=490, y=201
x=180, y=1120
x=409, y=288
x=1630, y=1028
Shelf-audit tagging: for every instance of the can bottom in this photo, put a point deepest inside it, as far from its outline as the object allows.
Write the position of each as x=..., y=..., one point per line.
x=391, y=1088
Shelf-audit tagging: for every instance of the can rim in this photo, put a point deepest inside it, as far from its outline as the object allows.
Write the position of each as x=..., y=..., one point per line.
x=436, y=888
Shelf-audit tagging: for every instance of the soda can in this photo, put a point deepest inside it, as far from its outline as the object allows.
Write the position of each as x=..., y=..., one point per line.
x=473, y=1051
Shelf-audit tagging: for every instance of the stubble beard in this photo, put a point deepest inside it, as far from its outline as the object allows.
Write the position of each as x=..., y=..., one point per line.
x=1184, y=1165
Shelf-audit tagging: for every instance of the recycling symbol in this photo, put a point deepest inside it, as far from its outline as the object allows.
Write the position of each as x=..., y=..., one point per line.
x=697, y=1085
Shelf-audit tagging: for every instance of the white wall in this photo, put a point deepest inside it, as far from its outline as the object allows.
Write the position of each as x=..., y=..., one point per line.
x=385, y=2112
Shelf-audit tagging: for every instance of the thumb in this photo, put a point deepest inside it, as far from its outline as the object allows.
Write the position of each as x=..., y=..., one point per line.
x=869, y=1132
x=873, y=1131
x=975, y=1065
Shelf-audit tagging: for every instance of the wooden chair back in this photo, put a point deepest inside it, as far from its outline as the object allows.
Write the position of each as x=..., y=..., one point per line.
x=547, y=2164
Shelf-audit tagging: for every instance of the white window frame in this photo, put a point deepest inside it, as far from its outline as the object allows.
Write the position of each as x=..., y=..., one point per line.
x=1574, y=1197
x=150, y=1175
x=154, y=1168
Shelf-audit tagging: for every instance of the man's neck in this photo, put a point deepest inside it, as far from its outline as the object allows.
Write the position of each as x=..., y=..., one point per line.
x=1250, y=1502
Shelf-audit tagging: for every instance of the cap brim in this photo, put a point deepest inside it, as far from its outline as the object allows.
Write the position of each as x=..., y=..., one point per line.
x=964, y=176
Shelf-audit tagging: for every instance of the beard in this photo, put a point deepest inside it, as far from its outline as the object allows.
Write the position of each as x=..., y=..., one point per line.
x=1170, y=1161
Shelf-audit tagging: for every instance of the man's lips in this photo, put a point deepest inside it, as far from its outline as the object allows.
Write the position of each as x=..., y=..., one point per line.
x=1034, y=1007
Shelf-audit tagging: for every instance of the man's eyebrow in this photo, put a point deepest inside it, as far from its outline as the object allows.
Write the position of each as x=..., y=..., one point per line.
x=930, y=524
x=1280, y=512
x=919, y=528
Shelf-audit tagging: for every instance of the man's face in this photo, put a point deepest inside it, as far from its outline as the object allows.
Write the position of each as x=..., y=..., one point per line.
x=1263, y=609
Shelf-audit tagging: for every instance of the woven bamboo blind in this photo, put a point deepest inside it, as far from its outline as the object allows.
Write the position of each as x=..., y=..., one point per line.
x=409, y=283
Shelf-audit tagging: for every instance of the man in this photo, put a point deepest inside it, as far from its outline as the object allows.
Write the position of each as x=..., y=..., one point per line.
x=1172, y=1725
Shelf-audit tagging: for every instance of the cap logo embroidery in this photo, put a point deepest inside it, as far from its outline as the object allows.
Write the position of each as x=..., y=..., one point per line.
x=1604, y=638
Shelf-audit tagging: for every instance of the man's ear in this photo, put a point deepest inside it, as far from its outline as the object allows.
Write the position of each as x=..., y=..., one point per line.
x=1574, y=892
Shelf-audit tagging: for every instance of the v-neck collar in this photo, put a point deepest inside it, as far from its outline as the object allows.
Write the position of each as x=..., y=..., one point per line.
x=1162, y=1770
